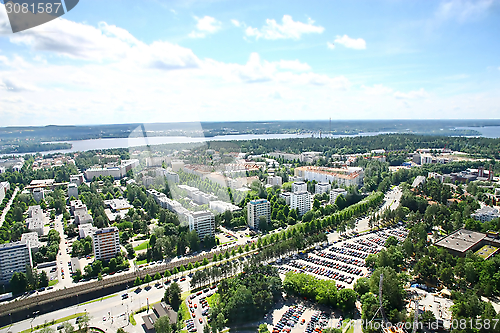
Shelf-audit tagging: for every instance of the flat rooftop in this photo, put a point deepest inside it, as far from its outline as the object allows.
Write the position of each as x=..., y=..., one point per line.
x=461, y=240
x=487, y=251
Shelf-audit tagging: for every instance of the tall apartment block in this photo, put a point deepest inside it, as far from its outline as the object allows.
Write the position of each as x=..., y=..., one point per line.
x=334, y=193
x=301, y=201
x=203, y=223
x=106, y=243
x=256, y=209
x=13, y=258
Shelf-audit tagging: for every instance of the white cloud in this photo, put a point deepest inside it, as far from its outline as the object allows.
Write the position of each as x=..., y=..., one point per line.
x=463, y=10
x=294, y=65
x=415, y=94
x=14, y=85
x=236, y=23
x=289, y=29
x=377, y=89
x=351, y=43
x=331, y=46
x=205, y=25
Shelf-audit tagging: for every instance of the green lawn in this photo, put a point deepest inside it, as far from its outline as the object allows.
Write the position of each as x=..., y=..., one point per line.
x=53, y=282
x=61, y=320
x=142, y=246
x=140, y=262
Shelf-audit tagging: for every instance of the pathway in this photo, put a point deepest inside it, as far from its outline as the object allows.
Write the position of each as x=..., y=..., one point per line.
x=2, y=218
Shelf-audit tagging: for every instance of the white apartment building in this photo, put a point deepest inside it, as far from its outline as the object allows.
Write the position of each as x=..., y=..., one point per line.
x=299, y=187
x=274, y=180
x=256, y=209
x=334, y=193
x=177, y=165
x=301, y=201
x=286, y=196
x=78, y=179
x=4, y=187
x=72, y=190
x=34, y=220
x=203, y=223
x=485, y=214
x=342, y=176
x=13, y=258
x=86, y=229
x=321, y=188
x=222, y=206
x=106, y=243
x=116, y=171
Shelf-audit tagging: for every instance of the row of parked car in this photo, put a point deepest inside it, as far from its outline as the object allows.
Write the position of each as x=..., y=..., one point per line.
x=362, y=248
x=322, y=271
x=289, y=319
x=336, y=257
x=349, y=252
x=335, y=265
x=318, y=321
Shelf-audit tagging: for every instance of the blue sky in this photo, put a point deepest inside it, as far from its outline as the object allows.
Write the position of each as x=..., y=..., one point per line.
x=161, y=61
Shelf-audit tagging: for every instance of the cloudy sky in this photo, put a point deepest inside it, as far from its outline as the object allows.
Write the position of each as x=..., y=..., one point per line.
x=167, y=61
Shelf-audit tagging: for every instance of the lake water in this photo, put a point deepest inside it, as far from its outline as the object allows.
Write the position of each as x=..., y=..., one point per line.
x=84, y=145
x=486, y=131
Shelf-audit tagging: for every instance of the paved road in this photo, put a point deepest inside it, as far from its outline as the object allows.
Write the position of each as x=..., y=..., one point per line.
x=2, y=218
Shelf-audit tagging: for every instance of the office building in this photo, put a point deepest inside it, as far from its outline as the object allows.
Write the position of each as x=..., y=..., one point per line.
x=13, y=258
x=256, y=209
x=321, y=188
x=203, y=223
x=301, y=201
x=106, y=243
x=334, y=193
x=299, y=187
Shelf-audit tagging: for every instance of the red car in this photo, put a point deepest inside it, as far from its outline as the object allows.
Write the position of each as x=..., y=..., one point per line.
x=200, y=320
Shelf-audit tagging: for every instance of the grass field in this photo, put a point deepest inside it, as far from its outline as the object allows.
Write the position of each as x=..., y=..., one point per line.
x=140, y=262
x=61, y=320
x=53, y=282
x=142, y=246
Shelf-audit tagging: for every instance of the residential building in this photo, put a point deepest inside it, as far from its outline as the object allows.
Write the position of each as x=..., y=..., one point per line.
x=436, y=176
x=38, y=194
x=147, y=181
x=4, y=187
x=117, y=204
x=34, y=221
x=222, y=206
x=274, y=180
x=335, y=192
x=106, y=243
x=349, y=176
x=256, y=209
x=286, y=196
x=78, y=179
x=177, y=165
x=13, y=258
x=72, y=190
x=321, y=188
x=299, y=187
x=301, y=201
x=203, y=223
x=419, y=180
x=86, y=229
x=485, y=214
x=31, y=238
x=114, y=170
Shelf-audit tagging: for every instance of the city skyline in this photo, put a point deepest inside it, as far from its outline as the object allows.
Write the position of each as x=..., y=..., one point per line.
x=155, y=61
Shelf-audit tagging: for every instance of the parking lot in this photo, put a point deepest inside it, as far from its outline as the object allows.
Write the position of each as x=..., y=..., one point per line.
x=343, y=261
x=198, y=309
